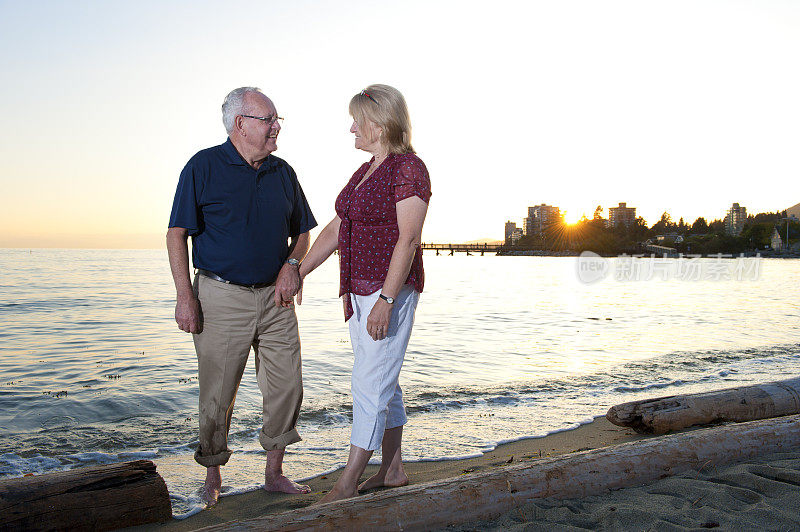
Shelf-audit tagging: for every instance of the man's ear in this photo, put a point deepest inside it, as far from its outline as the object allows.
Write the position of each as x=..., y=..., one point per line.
x=237, y=125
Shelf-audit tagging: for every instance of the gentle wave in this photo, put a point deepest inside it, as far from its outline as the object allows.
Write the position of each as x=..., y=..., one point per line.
x=702, y=368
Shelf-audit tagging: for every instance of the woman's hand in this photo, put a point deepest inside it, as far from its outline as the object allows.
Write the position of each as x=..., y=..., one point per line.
x=300, y=292
x=378, y=320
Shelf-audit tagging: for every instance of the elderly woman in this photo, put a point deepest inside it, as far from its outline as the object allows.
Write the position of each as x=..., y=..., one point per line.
x=377, y=228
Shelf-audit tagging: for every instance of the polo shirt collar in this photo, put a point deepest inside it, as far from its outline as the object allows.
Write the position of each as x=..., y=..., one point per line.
x=236, y=159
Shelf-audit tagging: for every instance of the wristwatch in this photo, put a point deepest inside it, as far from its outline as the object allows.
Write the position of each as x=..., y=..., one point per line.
x=293, y=262
x=388, y=299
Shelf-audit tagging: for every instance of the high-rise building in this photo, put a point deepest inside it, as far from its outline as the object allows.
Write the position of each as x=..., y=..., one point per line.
x=539, y=217
x=621, y=215
x=510, y=228
x=734, y=219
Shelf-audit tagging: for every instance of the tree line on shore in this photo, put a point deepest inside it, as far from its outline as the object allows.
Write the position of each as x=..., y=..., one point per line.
x=700, y=237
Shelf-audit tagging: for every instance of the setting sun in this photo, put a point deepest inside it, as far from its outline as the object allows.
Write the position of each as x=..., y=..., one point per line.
x=572, y=216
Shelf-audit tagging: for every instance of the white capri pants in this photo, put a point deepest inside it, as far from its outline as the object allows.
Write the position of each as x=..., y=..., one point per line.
x=377, y=398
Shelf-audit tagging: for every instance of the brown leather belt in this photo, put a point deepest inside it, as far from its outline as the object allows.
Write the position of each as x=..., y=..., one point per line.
x=212, y=275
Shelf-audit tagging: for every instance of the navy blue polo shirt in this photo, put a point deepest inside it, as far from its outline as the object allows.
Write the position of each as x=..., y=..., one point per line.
x=240, y=219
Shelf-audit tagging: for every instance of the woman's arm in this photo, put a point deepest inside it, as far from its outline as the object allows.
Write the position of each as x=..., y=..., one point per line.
x=325, y=244
x=410, y=218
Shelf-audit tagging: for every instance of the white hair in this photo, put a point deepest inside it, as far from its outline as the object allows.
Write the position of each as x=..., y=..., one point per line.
x=234, y=105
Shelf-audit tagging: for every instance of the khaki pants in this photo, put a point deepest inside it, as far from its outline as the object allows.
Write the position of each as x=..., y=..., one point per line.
x=236, y=318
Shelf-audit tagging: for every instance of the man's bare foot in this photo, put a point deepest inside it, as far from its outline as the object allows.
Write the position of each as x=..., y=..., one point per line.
x=337, y=493
x=212, y=486
x=282, y=484
x=385, y=480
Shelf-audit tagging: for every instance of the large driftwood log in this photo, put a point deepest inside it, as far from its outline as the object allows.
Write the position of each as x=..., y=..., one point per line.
x=747, y=403
x=92, y=498
x=486, y=495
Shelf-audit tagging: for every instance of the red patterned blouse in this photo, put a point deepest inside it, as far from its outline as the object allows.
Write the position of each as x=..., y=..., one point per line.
x=369, y=231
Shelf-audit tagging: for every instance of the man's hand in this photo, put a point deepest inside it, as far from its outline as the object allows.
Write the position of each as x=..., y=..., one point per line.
x=378, y=320
x=286, y=286
x=187, y=314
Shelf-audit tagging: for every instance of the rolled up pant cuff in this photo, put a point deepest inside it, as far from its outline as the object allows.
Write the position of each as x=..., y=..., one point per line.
x=211, y=460
x=279, y=442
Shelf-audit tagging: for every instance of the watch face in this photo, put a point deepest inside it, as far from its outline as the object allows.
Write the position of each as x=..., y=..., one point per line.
x=293, y=262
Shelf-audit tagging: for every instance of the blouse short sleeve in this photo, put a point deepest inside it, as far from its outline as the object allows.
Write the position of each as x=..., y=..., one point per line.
x=411, y=179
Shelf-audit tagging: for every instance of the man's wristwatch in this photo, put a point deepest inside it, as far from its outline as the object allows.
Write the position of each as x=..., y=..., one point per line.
x=388, y=299
x=293, y=262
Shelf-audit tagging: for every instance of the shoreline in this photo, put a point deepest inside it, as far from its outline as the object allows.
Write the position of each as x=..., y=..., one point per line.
x=758, y=492
x=598, y=433
x=646, y=255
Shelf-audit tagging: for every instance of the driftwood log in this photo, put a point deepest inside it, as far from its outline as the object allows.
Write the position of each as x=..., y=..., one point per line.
x=92, y=498
x=486, y=495
x=746, y=403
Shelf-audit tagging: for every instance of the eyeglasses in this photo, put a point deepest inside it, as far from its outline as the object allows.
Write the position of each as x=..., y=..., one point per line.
x=269, y=120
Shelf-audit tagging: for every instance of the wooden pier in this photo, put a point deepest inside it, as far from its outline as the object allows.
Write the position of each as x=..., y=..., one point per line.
x=469, y=249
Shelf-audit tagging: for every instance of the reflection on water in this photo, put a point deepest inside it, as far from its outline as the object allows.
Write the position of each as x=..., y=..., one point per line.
x=93, y=368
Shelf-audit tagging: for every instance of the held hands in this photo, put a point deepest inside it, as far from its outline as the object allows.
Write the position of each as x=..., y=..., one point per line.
x=378, y=320
x=300, y=292
x=287, y=285
x=187, y=314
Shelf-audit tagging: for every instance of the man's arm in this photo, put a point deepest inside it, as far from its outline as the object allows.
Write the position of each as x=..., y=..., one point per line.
x=187, y=308
x=288, y=281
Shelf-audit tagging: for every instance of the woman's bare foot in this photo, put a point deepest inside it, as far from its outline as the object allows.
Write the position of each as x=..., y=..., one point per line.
x=337, y=493
x=384, y=479
x=282, y=484
x=212, y=486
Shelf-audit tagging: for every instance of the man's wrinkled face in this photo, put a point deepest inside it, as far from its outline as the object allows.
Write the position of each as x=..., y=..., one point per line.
x=260, y=135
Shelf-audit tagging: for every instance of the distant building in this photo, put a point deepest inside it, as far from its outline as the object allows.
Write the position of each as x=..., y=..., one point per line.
x=734, y=220
x=539, y=217
x=510, y=228
x=516, y=235
x=670, y=237
x=777, y=242
x=793, y=212
x=621, y=215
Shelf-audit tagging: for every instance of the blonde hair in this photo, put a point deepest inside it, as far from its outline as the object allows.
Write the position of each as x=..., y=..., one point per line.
x=385, y=107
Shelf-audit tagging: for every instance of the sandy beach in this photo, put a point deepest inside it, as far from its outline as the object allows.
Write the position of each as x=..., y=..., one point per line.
x=762, y=493
x=758, y=494
x=599, y=433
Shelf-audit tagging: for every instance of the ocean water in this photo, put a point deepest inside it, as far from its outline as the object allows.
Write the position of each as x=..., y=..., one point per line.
x=93, y=369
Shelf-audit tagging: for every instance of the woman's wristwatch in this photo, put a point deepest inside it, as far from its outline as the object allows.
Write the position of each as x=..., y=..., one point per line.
x=388, y=299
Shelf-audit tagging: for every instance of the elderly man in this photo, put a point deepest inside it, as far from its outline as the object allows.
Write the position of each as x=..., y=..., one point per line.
x=241, y=206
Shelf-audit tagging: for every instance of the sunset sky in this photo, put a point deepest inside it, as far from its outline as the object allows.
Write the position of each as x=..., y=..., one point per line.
x=677, y=106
